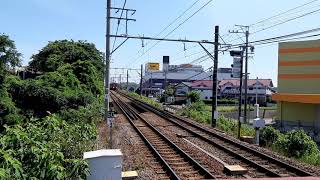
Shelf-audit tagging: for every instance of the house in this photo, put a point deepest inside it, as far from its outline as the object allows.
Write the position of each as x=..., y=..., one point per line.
x=260, y=88
x=182, y=89
x=204, y=87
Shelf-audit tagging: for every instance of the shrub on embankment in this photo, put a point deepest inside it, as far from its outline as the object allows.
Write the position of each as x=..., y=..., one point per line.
x=46, y=123
x=295, y=143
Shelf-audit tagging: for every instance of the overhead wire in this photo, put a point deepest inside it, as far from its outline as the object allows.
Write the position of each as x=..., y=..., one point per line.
x=279, y=37
x=281, y=22
x=282, y=13
x=192, y=15
x=115, y=39
x=183, y=13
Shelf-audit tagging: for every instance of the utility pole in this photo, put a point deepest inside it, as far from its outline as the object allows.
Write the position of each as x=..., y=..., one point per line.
x=214, y=115
x=141, y=71
x=246, y=32
x=240, y=96
x=246, y=77
x=127, y=79
x=120, y=79
x=150, y=87
x=107, y=71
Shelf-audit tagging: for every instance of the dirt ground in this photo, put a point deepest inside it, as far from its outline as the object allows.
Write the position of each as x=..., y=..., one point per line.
x=136, y=156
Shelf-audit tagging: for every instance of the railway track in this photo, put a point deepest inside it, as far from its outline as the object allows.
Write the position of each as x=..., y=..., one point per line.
x=254, y=159
x=176, y=163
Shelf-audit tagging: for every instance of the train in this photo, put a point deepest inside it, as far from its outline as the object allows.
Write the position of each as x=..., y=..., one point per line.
x=114, y=86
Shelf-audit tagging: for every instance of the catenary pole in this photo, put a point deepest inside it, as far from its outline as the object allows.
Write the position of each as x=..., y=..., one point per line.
x=246, y=78
x=107, y=70
x=127, y=79
x=214, y=114
x=141, y=71
x=240, y=95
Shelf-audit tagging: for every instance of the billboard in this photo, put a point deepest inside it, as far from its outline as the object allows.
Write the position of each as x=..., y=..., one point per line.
x=153, y=66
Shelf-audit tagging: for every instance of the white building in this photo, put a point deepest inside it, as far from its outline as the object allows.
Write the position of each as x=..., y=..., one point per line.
x=263, y=88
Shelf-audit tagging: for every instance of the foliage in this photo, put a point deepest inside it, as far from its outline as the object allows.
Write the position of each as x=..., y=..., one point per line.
x=269, y=136
x=146, y=99
x=48, y=122
x=296, y=143
x=9, y=56
x=228, y=101
x=86, y=73
x=41, y=149
x=38, y=98
x=59, y=53
x=230, y=126
x=194, y=96
x=170, y=90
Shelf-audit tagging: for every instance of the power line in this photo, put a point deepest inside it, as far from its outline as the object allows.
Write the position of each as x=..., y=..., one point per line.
x=282, y=22
x=277, y=15
x=279, y=37
x=290, y=39
x=124, y=5
x=291, y=19
x=175, y=29
x=183, y=13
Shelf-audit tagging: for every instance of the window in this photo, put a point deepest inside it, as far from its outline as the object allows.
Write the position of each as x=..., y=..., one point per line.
x=206, y=97
x=228, y=88
x=250, y=88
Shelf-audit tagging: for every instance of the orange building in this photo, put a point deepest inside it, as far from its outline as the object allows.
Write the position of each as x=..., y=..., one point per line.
x=299, y=85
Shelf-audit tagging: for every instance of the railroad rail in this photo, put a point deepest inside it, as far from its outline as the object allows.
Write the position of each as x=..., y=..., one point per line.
x=269, y=165
x=177, y=163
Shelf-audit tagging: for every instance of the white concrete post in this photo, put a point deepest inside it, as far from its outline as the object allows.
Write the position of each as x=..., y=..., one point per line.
x=105, y=164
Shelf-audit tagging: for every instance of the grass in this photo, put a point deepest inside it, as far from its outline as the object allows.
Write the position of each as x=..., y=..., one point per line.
x=200, y=113
x=226, y=109
x=146, y=99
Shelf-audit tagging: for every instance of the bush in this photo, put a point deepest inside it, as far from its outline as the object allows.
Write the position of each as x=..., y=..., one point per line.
x=194, y=96
x=296, y=143
x=269, y=136
x=230, y=126
x=227, y=125
x=48, y=148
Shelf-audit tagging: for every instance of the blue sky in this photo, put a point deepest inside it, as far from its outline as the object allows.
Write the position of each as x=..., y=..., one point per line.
x=31, y=24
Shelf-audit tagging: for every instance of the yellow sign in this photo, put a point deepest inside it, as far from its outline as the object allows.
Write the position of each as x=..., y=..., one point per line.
x=153, y=66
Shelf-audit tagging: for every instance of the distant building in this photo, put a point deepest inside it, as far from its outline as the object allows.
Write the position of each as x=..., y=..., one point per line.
x=263, y=88
x=299, y=86
x=154, y=77
x=154, y=80
x=204, y=87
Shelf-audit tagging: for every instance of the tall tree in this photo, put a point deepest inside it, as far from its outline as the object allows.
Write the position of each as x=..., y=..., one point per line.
x=9, y=56
x=58, y=53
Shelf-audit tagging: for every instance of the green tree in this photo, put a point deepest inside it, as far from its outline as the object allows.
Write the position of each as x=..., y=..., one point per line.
x=194, y=96
x=59, y=53
x=9, y=56
x=87, y=75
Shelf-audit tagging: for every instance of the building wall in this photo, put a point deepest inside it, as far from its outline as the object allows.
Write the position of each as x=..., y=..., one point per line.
x=299, y=84
x=205, y=94
x=297, y=112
